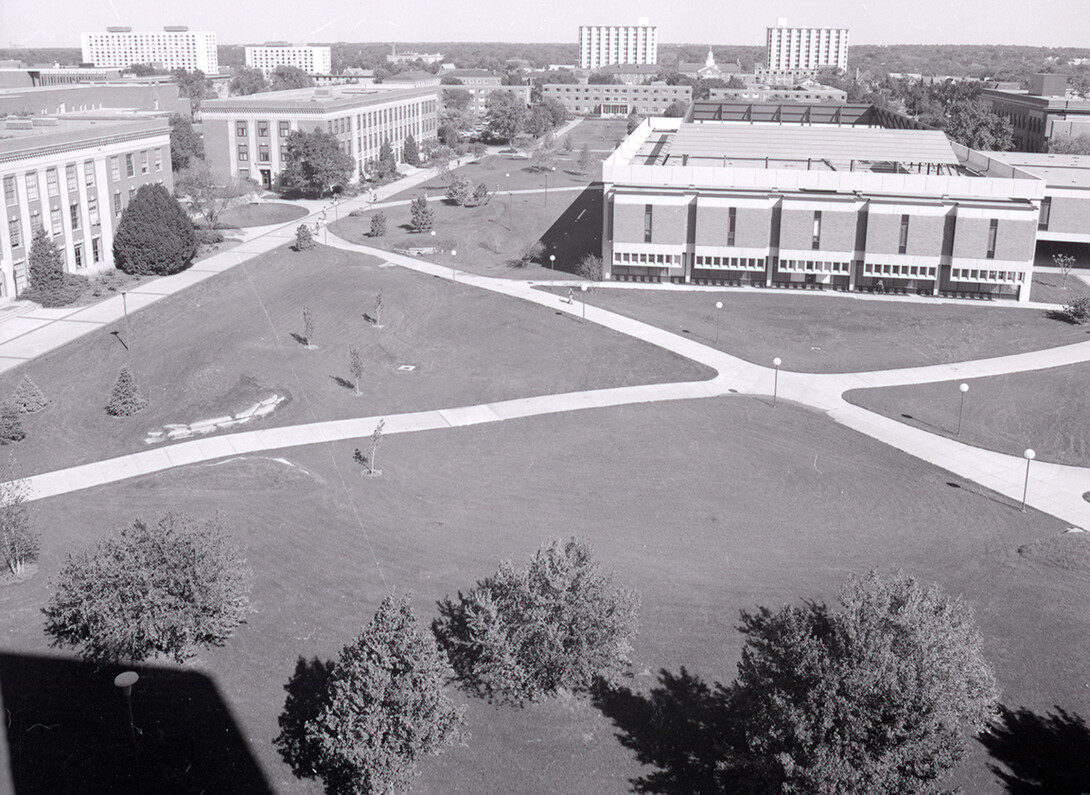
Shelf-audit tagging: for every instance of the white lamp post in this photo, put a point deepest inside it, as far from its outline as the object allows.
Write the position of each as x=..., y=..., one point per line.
x=453, y=272
x=718, y=306
x=776, y=379
x=583, y=288
x=124, y=681
x=508, y=176
x=963, y=388
x=125, y=309
x=1029, y=455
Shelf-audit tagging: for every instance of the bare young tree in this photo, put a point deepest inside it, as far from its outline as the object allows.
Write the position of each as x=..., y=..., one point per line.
x=376, y=437
x=308, y=326
x=355, y=364
x=18, y=539
x=377, y=316
x=1065, y=262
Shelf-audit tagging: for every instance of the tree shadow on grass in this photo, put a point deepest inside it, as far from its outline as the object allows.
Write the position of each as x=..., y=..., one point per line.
x=306, y=694
x=298, y=338
x=343, y=382
x=684, y=728
x=1044, y=754
x=67, y=730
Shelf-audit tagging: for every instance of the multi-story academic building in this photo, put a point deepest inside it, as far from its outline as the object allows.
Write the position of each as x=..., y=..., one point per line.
x=248, y=136
x=1041, y=113
x=617, y=100
x=480, y=84
x=605, y=45
x=311, y=59
x=73, y=177
x=174, y=47
x=845, y=197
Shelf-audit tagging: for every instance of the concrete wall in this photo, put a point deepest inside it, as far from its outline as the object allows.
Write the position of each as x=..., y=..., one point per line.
x=752, y=227
x=837, y=229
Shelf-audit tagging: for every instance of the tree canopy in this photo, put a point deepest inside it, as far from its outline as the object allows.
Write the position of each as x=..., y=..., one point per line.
x=506, y=115
x=289, y=77
x=248, y=81
x=148, y=591
x=976, y=125
x=316, y=163
x=559, y=624
x=211, y=194
x=185, y=145
x=194, y=86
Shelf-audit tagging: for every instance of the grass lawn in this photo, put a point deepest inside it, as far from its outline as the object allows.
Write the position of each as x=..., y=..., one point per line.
x=221, y=346
x=489, y=237
x=259, y=214
x=776, y=507
x=1052, y=288
x=1043, y=409
x=831, y=334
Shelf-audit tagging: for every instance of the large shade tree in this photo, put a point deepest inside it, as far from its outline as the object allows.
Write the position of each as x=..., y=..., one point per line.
x=316, y=163
x=506, y=115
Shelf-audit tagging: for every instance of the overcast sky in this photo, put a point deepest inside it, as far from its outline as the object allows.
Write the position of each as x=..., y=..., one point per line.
x=58, y=23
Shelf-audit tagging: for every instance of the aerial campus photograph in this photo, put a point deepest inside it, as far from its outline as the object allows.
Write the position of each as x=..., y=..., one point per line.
x=492, y=398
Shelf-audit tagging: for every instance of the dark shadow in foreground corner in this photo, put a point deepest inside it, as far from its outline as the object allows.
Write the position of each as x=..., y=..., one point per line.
x=683, y=727
x=1044, y=754
x=67, y=730
x=577, y=232
x=306, y=694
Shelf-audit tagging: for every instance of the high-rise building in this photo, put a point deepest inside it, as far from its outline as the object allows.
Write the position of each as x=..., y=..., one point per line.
x=311, y=59
x=174, y=47
x=810, y=49
x=605, y=45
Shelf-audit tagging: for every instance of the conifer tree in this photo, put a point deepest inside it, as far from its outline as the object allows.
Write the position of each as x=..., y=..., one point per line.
x=155, y=235
x=126, y=399
x=28, y=397
x=423, y=217
x=11, y=427
x=378, y=225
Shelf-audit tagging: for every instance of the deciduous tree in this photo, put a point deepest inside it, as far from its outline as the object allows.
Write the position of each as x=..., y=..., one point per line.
x=288, y=77
x=355, y=366
x=874, y=697
x=557, y=625
x=18, y=538
x=194, y=86
x=506, y=115
x=974, y=124
x=212, y=194
x=381, y=710
x=316, y=163
x=149, y=591
x=185, y=145
x=155, y=235
x=248, y=81
x=378, y=225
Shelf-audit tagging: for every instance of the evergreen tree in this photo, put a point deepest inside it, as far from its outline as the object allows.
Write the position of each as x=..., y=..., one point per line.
x=304, y=239
x=27, y=397
x=410, y=153
x=11, y=427
x=18, y=538
x=155, y=235
x=126, y=398
x=387, y=163
x=383, y=707
x=378, y=224
x=185, y=145
x=46, y=269
x=423, y=217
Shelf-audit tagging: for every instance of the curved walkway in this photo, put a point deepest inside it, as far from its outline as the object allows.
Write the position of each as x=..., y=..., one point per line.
x=1053, y=488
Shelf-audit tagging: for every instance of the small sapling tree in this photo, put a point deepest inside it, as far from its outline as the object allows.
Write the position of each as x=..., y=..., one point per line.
x=460, y=190
x=18, y=538
x=148, y=591
x=376, y=437
x=304, y=238
x=590, y=267
x=355, y=365
x=481, y=195
x=1065, y=262
x=376, y=313
x=126, y=399
x=586, y=160
x=308, y=326
x=378, y=225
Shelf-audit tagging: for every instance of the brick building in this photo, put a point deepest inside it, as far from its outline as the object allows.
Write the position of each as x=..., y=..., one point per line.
x=617, y=100
x=840, y=196
x=73, y=177
x=1041, y=112
x=247, y=136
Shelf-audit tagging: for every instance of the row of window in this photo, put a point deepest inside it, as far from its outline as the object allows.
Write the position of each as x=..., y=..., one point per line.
x=807, y=266
x=730, y=263
x=342, y=125
x=56, y=225
x=900, y=271
x=993, y=277
x=642, y=258
x=132, y=161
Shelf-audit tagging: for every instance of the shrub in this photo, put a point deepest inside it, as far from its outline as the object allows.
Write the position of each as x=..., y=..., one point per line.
x=460, y=191
x=150, y=591
x=11, y=427
x=478, y=150
x=378, y=225
x=304, y=240
x=126, y=398
x=155, y=235
x=71, y=288
x=558, y=625
x=423, y=217
x=27, y=397
x=410, y=153
x=481, y=195
x=209, y=237
x=590, y=267
x=111, y=281
x=1078, y=311
x=532, y=253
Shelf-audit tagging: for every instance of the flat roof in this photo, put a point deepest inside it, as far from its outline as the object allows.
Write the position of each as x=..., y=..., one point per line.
x=1056, y=170
x=822, y=147
x=69, y=130
x=321, y=99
